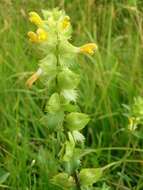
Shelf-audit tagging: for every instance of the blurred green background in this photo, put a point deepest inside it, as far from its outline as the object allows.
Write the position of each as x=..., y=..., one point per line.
x=114, y=76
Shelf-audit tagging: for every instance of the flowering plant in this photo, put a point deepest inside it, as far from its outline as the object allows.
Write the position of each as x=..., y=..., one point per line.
x=63, y=116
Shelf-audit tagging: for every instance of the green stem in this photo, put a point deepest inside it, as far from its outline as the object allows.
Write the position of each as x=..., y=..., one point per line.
x=77, y=180
x=57, y=57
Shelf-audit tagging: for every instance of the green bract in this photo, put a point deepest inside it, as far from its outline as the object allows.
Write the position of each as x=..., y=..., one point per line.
x=69, y=95
x=67, y=79
x=49, y=65
x=88, y=176
x=64, y=181
x=69, y=149
x=53, y=103
x=76, y=121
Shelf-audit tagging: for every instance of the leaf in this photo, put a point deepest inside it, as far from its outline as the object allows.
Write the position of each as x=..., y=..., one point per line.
x=3, y=176
x=138, y=134
x=88, y=176
x=76, y=121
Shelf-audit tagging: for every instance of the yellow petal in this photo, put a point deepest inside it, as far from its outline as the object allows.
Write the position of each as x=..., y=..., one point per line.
x=35, y=19
x=131, y=121
x=89, y=48
x=65, y=22
x=42, y=34
x=33, y=37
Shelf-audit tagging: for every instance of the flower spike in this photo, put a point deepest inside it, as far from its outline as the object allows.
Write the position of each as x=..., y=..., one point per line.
x=62, y=114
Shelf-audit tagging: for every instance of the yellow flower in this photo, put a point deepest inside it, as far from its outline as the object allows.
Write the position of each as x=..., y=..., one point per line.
x=89, y=48
x=35, y=18
x=132, y=123
x=33, y=78
x=40, y=36
x=33, y=37
x=65, y=22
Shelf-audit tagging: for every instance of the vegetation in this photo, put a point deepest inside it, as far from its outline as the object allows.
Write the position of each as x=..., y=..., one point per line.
x=110, y=92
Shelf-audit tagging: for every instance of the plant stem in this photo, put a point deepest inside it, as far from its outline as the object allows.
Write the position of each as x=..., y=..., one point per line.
x=57, y=57
x=77, y=180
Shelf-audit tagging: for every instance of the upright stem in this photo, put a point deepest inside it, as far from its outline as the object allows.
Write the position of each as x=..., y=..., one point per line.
x=57, y=55
x=77, y=180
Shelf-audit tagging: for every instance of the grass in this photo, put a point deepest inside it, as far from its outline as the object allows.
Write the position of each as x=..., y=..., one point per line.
x=114, y=76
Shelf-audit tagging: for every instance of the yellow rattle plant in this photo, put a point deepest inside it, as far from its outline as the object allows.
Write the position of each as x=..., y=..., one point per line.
x=61, y=111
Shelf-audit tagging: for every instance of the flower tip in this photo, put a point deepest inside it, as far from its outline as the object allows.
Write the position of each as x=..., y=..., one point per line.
x=42, y=34
x=32, y=37
x=35, y=18
x=89, y=48
x=66, y=22
x=33, y=78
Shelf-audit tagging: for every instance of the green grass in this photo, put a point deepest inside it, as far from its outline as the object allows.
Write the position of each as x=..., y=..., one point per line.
x=114, y=76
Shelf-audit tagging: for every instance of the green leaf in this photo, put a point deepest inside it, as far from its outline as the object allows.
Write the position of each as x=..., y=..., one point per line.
x=64, y=181
x=68, y=79
x=88, y=176
x=3, y=176
x=76, y=121
x=138, y=133
x=53, y=103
